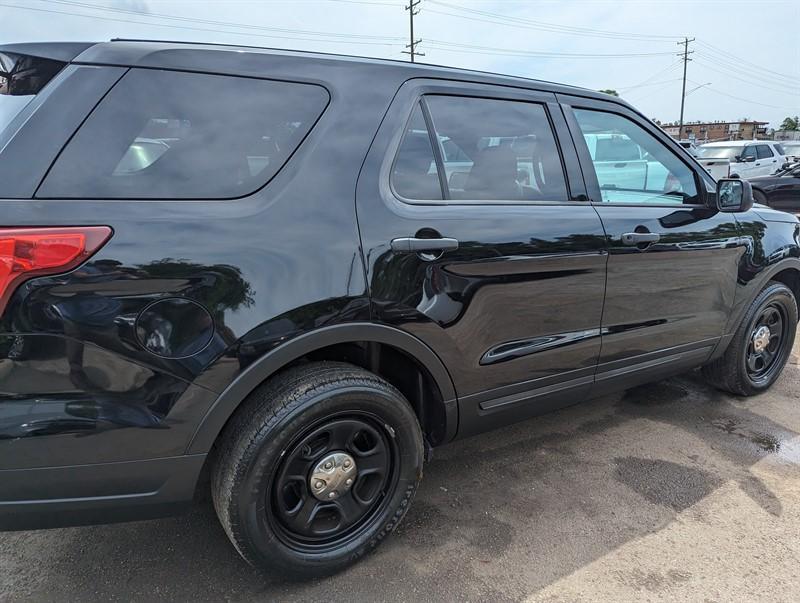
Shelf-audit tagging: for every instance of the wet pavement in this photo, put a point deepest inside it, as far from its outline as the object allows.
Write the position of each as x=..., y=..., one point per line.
x=671, y=491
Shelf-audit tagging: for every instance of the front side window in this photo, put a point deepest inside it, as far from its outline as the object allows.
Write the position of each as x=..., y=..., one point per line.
x=749, y=152
x=174, y=135
x=632, y=165
x=763, y=151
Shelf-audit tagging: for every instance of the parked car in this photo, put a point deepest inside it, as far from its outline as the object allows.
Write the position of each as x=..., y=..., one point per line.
x=747, y=158
x=781, y=190
x=251, y=264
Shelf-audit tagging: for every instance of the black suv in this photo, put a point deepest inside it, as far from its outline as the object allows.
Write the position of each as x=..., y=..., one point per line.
x=301, y=273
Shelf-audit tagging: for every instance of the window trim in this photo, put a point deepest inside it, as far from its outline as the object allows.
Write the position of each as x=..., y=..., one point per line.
x=483, y=93
x=571, y=103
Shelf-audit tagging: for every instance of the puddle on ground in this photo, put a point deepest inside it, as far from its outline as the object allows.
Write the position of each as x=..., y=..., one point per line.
x=766, y=442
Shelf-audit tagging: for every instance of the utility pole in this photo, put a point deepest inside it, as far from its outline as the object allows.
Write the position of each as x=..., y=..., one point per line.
x=685, y=54
x=412, y=47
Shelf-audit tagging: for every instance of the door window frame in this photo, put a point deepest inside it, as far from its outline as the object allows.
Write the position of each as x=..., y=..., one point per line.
x=705, y=186
x=411, y=95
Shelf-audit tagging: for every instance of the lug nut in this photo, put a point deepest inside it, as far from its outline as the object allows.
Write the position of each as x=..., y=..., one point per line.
x=319, y=485
x=349, y=482
x=328, y=465
x=347, y=463
x=332, y=495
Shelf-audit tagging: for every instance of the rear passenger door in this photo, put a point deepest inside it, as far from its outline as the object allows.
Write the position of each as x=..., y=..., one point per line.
x=478, y=240
x=673, y=259
x=766, y=160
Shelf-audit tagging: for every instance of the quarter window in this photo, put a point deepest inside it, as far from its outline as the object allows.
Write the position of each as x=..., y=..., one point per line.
x=414, y=175
x=174, y=135
x=632, y=165
x=491, y=150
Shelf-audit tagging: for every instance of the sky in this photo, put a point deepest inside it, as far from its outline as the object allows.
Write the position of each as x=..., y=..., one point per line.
x=745, y=61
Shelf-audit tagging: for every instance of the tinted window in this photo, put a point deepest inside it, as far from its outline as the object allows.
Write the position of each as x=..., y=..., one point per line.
x=763, y=151
x=506, y=150
x=780, y=149
x=162, y=134
x=414, y=174
x=632, y=165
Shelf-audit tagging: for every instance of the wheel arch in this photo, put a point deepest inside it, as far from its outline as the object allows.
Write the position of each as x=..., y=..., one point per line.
x=373, y=339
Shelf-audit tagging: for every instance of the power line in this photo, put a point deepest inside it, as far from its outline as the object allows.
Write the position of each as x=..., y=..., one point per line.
x=473, y=49
x=752, y=102
x=653, y=76
x=726, y=71
x=500, y=19
x=741, y=61
x=413, y=42
x=184, y=19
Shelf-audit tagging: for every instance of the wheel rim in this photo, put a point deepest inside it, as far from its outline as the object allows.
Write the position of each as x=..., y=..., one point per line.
x=766, y=344
x=354, y=457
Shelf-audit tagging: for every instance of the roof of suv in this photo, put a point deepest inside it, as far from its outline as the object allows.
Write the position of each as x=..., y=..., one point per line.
x=160, y=53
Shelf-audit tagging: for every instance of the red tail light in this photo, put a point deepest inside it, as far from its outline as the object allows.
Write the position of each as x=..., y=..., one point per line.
x=30, y=252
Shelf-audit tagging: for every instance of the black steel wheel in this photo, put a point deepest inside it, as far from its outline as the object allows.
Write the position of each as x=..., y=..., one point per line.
x=332, y=480
x=756, y=355
x=318, y=466
x=766, y=342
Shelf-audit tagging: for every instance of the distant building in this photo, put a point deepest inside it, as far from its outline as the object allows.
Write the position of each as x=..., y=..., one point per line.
x=719, y=130
x=787, y=134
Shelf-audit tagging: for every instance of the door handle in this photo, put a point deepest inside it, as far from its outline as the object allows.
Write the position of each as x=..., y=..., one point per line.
x=640, y=238
x=416, y=245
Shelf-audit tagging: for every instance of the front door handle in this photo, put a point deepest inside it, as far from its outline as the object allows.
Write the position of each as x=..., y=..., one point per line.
x=417, y=245
x=640, y=238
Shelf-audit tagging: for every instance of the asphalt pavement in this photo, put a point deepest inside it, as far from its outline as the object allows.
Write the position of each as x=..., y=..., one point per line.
x=672, y=491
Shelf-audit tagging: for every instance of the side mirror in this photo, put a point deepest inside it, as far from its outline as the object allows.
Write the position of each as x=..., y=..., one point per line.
x=748, y=159
x=734, y=195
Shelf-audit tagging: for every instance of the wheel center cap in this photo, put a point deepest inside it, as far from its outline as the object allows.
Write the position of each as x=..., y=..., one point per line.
x=761, y=338
x=333, y=476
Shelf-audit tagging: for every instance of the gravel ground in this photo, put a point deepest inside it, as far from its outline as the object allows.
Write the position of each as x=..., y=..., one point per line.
x=671, y=491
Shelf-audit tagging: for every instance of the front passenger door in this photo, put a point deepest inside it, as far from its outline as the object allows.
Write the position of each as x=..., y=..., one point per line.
x=673, y=260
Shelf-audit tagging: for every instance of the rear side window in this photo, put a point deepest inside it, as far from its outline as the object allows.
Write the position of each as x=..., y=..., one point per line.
x=763, y=151
x=490, y=150
x=174, y=135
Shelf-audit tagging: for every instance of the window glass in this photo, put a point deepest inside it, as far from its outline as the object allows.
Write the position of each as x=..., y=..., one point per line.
x=497, y=150
x=414, y=174
x=763, y=151
x=749, y=152
x=779, y=149
x=173, y=135
x=632, y=165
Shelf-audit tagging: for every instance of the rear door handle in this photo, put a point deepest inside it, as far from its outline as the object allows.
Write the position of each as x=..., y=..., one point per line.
x=415, y=245
x=640, y=238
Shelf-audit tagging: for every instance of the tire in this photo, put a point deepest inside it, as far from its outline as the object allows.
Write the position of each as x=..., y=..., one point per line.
x=760, y=197
x=288, y=429
x=736, y=371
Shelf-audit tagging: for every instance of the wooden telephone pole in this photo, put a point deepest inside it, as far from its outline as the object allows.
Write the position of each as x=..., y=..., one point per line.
x=685, y=54
x=412, y=47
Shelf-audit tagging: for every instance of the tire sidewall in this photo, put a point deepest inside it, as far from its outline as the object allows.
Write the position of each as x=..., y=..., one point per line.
x=780, y=293
x=254, y=501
